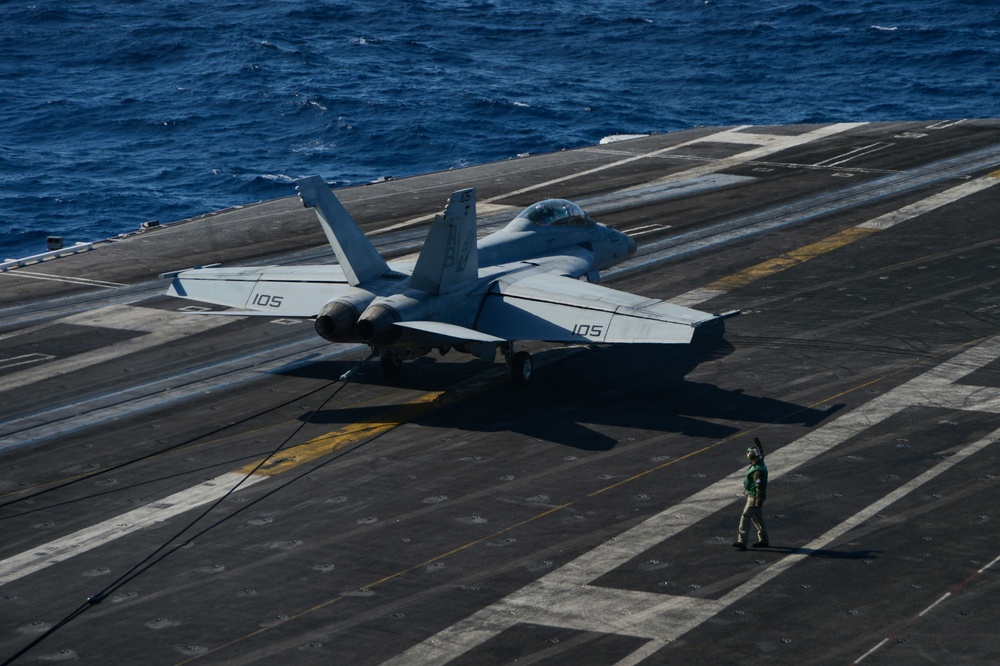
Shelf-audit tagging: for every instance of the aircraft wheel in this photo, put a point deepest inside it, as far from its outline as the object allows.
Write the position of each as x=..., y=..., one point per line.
x=391, y=364
x=521, y=367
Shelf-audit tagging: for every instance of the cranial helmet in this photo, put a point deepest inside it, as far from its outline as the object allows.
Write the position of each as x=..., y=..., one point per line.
x=755, y=452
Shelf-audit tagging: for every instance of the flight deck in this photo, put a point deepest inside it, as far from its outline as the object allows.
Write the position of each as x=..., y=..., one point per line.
x=188, y=489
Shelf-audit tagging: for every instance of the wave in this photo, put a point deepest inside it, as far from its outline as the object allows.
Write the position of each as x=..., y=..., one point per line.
x=173, y=110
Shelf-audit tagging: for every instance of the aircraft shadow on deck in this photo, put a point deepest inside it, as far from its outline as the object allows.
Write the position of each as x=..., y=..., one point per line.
x=572, y=399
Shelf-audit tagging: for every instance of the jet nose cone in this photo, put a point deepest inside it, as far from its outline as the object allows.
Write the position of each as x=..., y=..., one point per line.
x=632, y=247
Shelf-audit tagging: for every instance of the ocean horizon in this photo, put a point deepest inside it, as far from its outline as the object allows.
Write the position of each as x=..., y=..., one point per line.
x=113, y=114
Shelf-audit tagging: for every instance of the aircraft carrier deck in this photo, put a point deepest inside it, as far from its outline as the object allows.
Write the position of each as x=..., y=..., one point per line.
x=447, y=516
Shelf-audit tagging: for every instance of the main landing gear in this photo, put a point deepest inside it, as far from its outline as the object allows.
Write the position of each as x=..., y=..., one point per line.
x=391, y=363
x=520, y=364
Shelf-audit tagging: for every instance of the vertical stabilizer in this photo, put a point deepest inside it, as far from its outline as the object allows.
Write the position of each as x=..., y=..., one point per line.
x=449, y=259
x=357, y=256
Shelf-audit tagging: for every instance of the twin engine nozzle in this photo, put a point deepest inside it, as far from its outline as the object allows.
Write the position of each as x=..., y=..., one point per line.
x=337, y=320
x=355, y=318
x=375, y=327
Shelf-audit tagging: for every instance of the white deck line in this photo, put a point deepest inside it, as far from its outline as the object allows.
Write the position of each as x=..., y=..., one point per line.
x=158, y=326
x=886, y=221
x=60, y=550
x=767, y=144
x=565, y=597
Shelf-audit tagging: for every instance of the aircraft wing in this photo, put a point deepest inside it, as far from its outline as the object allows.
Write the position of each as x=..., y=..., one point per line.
x=560, y=309
x=279, y=291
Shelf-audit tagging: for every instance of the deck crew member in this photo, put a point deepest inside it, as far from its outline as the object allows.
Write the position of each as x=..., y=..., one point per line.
x=755, y=486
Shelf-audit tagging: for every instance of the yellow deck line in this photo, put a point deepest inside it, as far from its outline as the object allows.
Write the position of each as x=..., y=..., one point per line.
x=789, y=259
x=394, y=417
x=349, y=434
x=837, y=240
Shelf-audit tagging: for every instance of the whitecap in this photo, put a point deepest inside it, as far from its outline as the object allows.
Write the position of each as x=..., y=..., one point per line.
x=276, y=178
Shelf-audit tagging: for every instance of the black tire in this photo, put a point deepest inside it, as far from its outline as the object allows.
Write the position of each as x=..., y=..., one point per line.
x=391, y=364
x=521, y=367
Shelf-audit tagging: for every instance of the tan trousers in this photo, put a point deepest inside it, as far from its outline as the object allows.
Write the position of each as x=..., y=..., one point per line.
x=752, y=514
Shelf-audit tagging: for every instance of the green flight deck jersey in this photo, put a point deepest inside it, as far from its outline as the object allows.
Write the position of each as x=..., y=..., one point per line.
x=756, y=481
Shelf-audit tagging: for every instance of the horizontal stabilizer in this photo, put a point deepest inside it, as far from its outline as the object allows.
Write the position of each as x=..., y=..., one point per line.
x=276, y=291
x=358, y=257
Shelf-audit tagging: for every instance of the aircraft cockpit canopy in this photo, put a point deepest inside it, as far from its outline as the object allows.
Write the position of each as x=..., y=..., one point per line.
x=556, y=213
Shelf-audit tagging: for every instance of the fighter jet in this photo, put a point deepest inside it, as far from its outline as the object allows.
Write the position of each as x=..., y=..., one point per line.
x=534, y=280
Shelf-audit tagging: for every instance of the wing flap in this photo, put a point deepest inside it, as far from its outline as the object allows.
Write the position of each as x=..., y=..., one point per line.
x=559, y=309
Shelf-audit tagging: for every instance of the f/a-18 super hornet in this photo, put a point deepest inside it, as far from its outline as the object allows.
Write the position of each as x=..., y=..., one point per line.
x=534, y=280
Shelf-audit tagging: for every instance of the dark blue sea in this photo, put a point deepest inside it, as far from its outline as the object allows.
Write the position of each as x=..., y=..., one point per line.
x=115, y=112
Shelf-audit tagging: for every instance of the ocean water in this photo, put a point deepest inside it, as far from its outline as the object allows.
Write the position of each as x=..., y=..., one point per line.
x=117, y=112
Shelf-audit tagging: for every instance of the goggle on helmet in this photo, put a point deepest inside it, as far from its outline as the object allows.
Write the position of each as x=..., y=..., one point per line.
x=755, y=451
